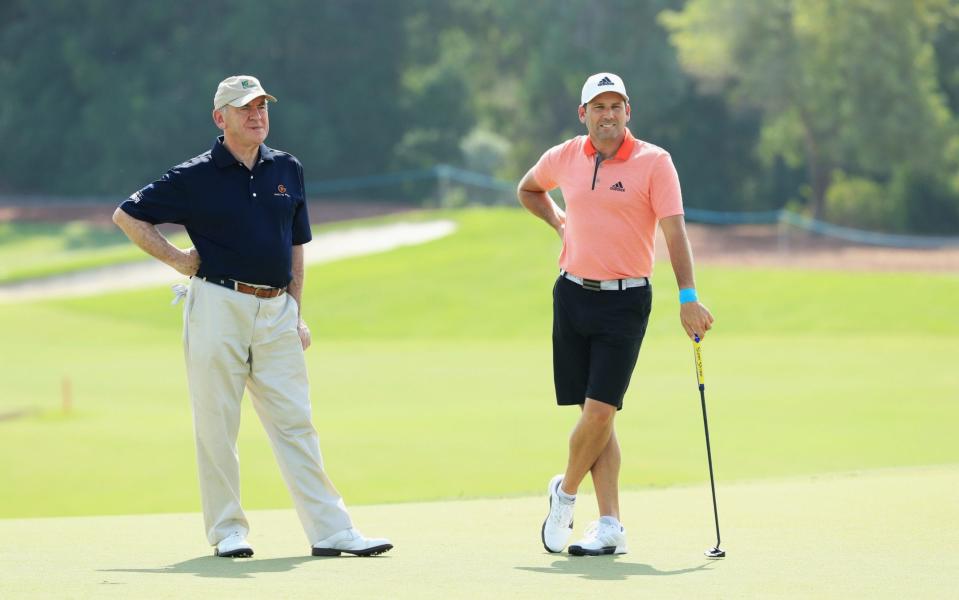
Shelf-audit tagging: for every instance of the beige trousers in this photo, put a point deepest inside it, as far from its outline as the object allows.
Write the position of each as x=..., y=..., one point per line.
x=231, y=341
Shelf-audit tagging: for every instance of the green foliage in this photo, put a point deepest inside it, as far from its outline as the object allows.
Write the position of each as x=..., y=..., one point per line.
x=914, y=200
x=861, y=203
x=135, y=95
x=759, y=102
x=436, y=97
x=484, y=151
x=847, y=82
x=928, y=200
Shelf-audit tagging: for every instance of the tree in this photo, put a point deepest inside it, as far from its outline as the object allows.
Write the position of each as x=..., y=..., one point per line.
x=842, y=84
x=106, y=94
x=526, y=72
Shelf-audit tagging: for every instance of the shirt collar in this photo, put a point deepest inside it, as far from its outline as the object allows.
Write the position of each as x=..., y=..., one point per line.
x=222, y=157
x=625, y=149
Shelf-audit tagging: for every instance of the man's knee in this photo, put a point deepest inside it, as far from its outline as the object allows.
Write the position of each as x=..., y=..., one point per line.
x=598, y=413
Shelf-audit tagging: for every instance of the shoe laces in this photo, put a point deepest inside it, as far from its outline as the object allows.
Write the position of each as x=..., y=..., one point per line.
x=600, y=529
x=562, y=513
x=592, y=530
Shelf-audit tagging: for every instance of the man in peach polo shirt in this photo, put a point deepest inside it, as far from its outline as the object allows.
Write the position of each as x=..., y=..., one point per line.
x=616, y=189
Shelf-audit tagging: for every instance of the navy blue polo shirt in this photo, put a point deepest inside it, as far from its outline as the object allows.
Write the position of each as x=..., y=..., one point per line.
x=243, y=223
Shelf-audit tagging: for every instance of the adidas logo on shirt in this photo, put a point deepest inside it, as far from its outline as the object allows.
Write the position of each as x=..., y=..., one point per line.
x=605, y=81
x=617, y=187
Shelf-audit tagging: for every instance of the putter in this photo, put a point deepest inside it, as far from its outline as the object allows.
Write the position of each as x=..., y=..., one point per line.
x=715, y=551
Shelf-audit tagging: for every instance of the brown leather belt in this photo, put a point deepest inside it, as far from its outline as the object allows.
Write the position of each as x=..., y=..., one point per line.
x=239, y=286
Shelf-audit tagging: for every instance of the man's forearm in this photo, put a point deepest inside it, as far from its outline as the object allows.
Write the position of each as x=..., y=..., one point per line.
x=295, y=287
x=295, y=290
x=680, y=252
x=541, y=205
x=150, y=240
x=681, y=258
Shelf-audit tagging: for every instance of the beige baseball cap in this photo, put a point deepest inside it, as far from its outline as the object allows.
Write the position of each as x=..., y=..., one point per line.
x=238, y=90
x=603, y=82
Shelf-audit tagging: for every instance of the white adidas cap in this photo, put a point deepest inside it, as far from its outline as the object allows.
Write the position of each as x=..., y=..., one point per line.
x=603, y=82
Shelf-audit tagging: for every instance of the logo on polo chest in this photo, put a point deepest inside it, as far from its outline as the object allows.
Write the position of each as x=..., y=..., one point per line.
x=281, y=191
x=617, y=187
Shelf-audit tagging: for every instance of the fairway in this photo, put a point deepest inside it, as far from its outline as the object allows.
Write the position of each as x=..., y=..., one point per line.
x=875, y=534
x=439, y=355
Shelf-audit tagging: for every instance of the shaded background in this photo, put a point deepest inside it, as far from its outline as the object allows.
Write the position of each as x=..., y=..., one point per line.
x=842, y=110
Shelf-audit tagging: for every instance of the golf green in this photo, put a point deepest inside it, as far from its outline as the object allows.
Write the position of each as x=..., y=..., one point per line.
x=871, y=534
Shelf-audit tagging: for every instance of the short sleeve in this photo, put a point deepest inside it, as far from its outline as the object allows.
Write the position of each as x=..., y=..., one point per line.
x=544, y=171
x=665, y=195
x=301, y=216
x=163, y=201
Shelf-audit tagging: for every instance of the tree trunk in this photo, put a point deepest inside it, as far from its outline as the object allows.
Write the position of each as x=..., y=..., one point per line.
x=819, y=168
x=820, y=177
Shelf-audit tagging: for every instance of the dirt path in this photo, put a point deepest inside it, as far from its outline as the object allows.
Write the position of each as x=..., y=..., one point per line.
x=325, y=247
x=740, y=246
x=769, y=246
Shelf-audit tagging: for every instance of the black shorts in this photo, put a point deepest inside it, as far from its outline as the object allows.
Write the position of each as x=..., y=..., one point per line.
x=596, y=341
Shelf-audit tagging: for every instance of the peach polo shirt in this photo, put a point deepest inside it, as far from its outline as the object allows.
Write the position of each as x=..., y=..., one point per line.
x=611, y=210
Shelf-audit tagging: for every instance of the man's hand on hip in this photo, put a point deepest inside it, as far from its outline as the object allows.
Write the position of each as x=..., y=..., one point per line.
x=189, y=262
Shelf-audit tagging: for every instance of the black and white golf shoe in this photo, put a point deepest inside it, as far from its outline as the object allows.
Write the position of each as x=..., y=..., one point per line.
x=605, y=536
x=234, y=546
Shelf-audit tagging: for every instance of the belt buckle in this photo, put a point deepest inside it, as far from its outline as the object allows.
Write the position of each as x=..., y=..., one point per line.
x=592, y=284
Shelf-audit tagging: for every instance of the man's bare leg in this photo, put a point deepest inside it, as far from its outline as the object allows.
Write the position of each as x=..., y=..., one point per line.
x=588, y=441
x=605, y=473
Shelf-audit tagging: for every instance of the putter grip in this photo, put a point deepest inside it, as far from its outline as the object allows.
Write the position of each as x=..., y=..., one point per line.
x=699, y=363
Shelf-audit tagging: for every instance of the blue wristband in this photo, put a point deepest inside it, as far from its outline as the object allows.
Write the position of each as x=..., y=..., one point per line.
x=687, y=295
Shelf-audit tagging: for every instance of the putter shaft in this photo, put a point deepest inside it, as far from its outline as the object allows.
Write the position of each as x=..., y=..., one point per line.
x=715, y=552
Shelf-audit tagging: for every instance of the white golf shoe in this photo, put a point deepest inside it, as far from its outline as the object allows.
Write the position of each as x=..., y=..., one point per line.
x=559, y=522
x=351, y=541
x=234, y=546
x=602, y=537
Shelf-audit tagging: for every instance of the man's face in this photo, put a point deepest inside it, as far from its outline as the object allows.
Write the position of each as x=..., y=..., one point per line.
x=605, y=116
x=246, y=125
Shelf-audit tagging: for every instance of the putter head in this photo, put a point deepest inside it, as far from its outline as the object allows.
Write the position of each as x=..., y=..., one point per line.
x=715, y=552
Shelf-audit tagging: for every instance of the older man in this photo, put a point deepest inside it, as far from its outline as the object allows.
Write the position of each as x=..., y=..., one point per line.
x=244, y=207
x=616, y=189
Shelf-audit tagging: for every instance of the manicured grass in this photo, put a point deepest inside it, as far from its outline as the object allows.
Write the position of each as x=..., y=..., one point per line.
x=31, y=250
x=872, y=534
x=431, y=379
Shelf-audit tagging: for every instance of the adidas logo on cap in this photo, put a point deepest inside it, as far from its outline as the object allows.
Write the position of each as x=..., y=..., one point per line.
x=599, y=83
